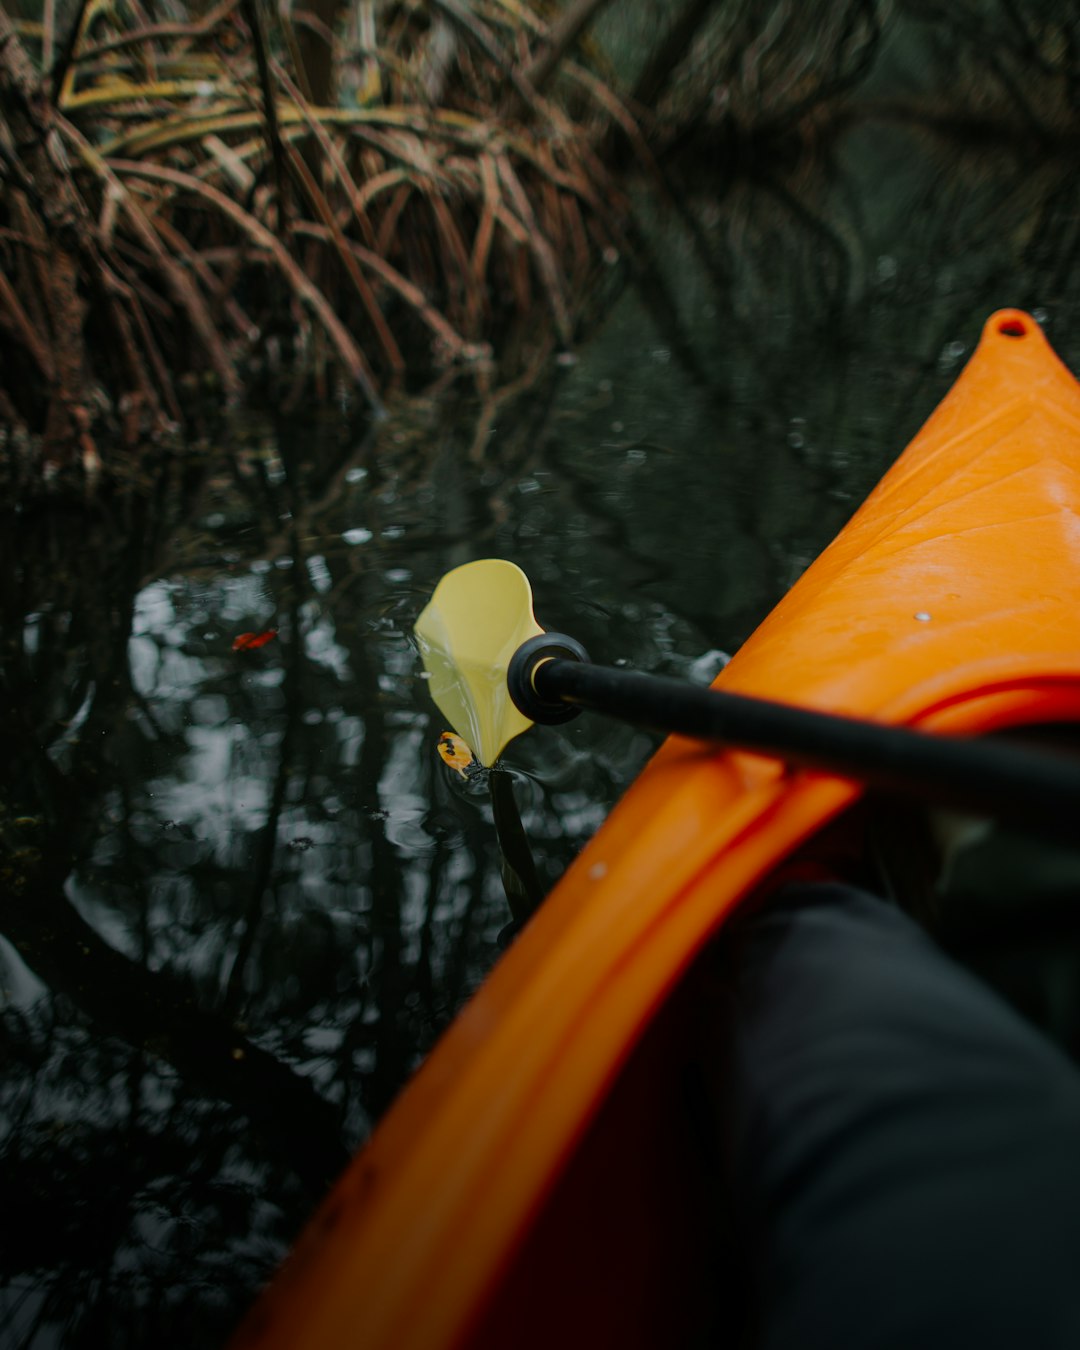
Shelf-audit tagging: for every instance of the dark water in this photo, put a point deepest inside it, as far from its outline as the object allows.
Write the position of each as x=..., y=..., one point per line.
x=241, y=894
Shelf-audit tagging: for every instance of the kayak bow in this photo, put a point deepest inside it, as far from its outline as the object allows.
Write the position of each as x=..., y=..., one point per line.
x=538, y=1180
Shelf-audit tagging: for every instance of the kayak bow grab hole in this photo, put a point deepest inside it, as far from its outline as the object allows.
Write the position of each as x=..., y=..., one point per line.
x=1013, y=327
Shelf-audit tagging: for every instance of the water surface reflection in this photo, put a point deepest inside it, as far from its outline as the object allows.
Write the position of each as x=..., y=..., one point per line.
x=242, y=893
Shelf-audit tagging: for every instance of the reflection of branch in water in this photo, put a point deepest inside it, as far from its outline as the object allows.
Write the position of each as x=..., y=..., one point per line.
x=1054, y=249
x=851, y=56
x=142, y=1158
x=157, y=1011
x=492, y=401
x=838, y=293
x=460, y=978
x=391, y=1048
x=266, y=845
x=759, y=73
x=971, y=43
x=669, y=53
x=519, y=452
x=425, y=984
x=657, y=298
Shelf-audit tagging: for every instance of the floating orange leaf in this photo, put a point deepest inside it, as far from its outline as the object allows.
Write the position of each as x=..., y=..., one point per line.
x=249, y=642
x=454, y=752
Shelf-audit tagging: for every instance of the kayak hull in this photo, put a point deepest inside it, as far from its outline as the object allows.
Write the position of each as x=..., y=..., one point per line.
x=540, y=1175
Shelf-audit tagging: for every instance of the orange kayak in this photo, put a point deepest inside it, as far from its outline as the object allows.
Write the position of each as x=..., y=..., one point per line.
x=538, y=1180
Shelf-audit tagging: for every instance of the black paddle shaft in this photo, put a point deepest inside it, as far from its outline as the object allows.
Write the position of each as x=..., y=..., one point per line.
x=1033, y=790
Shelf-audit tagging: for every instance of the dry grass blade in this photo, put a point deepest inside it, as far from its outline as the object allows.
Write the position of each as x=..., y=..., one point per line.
x=322, y=207
x=617, y=111
x=13, y=315
x=183, y=291
x=186, y=127
x=157, y=32
x=306, y=291
x=414, y=222
x=541, y=249
x=481, y=252
x=571, y=23
x=112, y=96
x=173, y=239
x=456, y=346
x=332, y=155
x=488, y=44
x=120, y=295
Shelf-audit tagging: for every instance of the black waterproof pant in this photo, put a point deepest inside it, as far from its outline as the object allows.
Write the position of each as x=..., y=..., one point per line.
x=904, y=1150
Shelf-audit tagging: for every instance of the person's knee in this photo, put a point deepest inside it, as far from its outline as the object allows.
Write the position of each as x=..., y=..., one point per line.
x=896, y=1132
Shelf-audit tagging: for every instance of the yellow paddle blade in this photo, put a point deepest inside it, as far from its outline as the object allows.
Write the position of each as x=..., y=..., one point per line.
x=478, y=617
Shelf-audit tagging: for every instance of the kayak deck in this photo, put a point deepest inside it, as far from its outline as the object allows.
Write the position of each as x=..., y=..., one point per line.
x=544, y=1175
